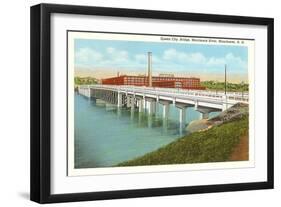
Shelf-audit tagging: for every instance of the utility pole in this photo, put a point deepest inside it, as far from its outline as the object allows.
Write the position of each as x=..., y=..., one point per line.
x=149, y=68
x=242, y=84
x=225, y=79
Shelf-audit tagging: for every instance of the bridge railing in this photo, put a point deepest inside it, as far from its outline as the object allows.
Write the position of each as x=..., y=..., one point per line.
x=235, y=96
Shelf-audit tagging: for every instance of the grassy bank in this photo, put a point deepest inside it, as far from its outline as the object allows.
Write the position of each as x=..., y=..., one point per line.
x=213, y=145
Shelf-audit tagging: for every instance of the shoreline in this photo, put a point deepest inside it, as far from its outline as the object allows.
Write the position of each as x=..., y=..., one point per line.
x=224, y=135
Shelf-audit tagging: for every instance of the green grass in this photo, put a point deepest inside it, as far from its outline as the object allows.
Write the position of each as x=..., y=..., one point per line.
x=85, y=80
x=213, y=145
x=220, y=86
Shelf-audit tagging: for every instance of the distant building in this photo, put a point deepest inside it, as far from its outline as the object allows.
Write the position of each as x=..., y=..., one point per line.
x=157, y=81
x=163, y=80
x=166, y=75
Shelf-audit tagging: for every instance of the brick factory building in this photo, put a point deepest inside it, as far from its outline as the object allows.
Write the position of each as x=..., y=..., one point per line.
x=157, y=81
x=162, y=81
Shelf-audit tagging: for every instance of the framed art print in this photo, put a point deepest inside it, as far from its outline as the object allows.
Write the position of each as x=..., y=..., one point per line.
x=132, y=103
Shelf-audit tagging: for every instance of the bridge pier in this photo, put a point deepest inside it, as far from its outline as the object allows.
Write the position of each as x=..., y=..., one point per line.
x=166, y=107
x=182, y=117
x=140, y=104
x=119, y=99
x=150, y=106
x=132, y=104
x=205, y=112
x=130, y=101
x=182, y=112
x=89, y=92
x=174, y=102
x=132, y=111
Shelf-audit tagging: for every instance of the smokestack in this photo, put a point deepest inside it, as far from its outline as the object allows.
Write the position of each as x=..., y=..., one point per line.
x=118, y=74
x=149, y=69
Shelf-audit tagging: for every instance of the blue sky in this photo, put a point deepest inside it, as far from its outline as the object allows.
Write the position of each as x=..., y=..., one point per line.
x=131, y=57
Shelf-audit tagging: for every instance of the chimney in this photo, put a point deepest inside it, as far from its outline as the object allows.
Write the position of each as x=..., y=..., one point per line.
x=149, y=69
x=118, y=74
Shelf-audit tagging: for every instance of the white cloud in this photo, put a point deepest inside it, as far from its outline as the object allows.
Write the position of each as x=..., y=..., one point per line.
x=183, y=57
x=110, y=50
x=140, y=58
x=170, y=54
x=200, y=60
x=91, y=57
x=233, y=62
x=215, y=61
x=117, y=55
x=171, y=59
x=84, y=55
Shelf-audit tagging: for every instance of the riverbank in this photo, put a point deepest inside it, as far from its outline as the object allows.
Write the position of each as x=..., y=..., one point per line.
x=234, y=113
x=219, y=139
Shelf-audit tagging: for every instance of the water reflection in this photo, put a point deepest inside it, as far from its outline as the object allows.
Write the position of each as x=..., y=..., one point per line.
x=165, y=125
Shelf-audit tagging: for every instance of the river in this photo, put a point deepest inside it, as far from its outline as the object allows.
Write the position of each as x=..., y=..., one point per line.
x=106, y=136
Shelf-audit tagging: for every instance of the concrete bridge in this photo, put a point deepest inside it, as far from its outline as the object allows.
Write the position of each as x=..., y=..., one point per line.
x=145, y=99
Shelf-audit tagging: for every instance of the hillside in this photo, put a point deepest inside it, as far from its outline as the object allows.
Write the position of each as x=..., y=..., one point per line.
x=217, y=143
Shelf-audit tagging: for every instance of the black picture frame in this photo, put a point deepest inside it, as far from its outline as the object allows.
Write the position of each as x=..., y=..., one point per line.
x=41, y=98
